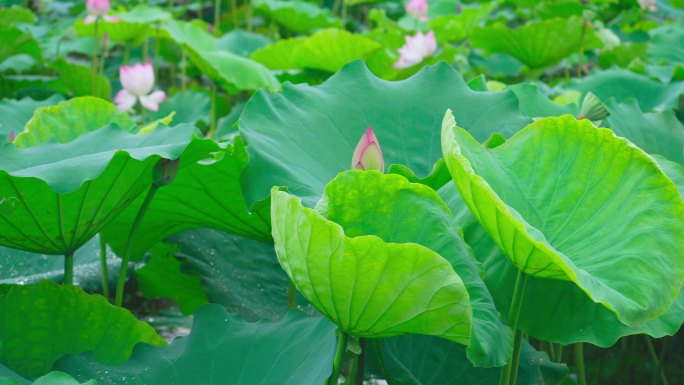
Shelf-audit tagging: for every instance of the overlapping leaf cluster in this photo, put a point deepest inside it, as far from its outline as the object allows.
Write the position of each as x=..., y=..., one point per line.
x=531, y=200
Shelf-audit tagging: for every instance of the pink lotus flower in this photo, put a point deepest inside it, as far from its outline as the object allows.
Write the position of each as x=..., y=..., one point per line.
x=648, y=5
x=417, y=48
x=137, y=82
x=417, y=9
x=367, y=155
x=97, y=9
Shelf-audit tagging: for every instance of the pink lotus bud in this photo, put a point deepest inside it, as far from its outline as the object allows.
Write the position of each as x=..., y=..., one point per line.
x=97, y=7
x=417, y=48
x=137, y=82
x=417, y=9
x=368, y=155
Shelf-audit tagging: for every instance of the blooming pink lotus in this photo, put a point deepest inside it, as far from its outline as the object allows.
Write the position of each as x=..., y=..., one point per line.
x=417, y=9
x=137, y=82
x=98, y=9
x=417, y=48
x=367, y=155
x=648, y=5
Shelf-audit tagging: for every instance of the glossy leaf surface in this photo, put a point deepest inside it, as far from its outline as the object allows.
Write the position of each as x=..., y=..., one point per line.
x=572, y=215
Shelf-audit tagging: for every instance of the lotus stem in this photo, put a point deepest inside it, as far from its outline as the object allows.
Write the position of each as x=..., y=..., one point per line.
x=581, y=48
x=127, y=54
x=343, y=16
x=121, y=279
x=654, y=357
x=507, y=377
x=250, y=14
x=184, y=75
x=559, y=353
x=234, y=13
x=356, y=373
x=339, y=358
x=579, y=361
x=104, y=274
x=68, y=269
x=96, y=52
x=291, y=296
x=212, y=124
x=217, y=17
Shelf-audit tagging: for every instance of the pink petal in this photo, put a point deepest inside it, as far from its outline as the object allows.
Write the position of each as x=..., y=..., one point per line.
x=152, y=101
x=90, y=19
x=124, y=100
x=367, y=154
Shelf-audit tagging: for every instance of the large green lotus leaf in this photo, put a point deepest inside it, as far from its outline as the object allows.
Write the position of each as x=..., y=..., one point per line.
x=622, y=85
x=24, y=267
x=231, y=70
x=216, y=201
x=239, y=273
x=388, y=206
x=223, y=349
x=228, y=69
x=667, y=44
x=654, y=132
x=555, y=310
x=425, y=360
x=622, y=55
x=330, y=49
x=145, y=14
x=67, y=120
x=279, y=55
x=16, y=15
x=8, y=377
x=57, y=196
x=57, y=320
x=189, y=34
x=298, y=16
x=368, y=287
x=538, y=44
x=122, y=31
x=162, y=277
x=568, y=201
x=453, y=28
x=188, y=107
x=304, y=136
x=242, y=43
x=534, y=103
x=78, y=80
x=14, y=41
x=15, y=113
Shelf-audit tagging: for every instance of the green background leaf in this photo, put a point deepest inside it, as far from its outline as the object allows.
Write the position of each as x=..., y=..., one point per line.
x=67, y=120
x=65, y=320
x=239, y=273
x=303, y=148
x=226, y=350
